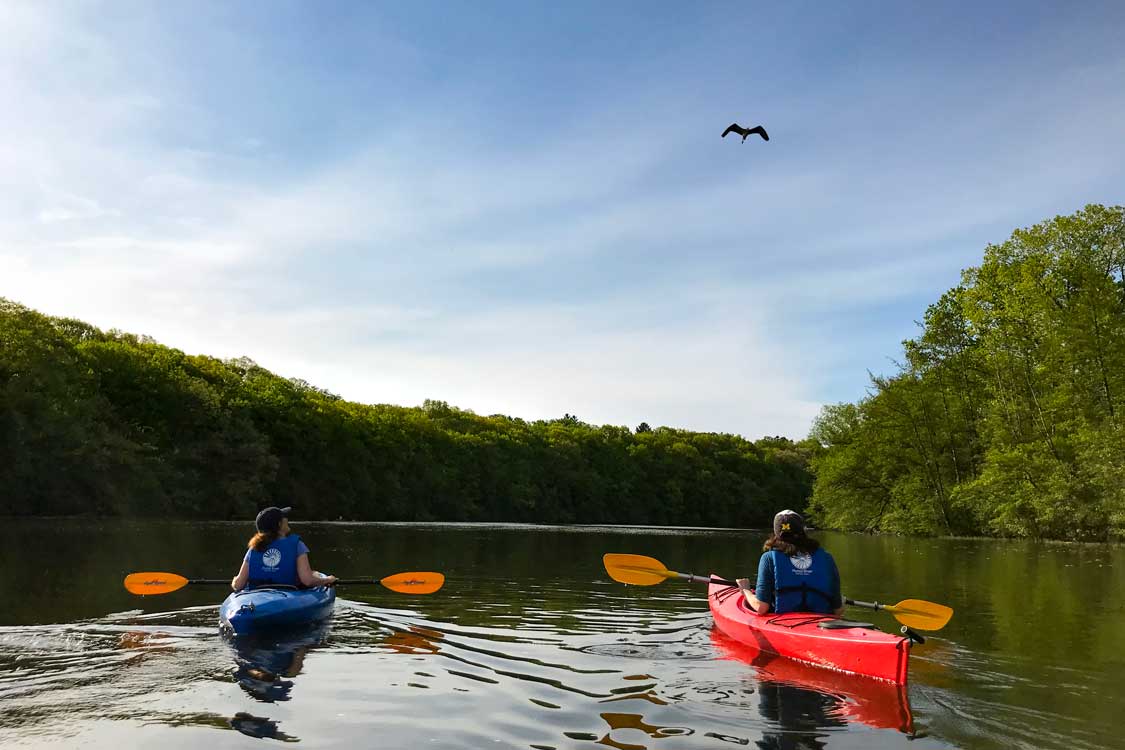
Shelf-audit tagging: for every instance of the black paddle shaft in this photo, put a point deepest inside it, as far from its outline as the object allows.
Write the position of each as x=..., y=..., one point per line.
x=217, y=581
x=868, y=605
x=706, y=579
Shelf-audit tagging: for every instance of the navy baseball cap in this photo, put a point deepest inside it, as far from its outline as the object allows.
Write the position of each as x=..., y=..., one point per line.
x=788, y=522
x=269, y=519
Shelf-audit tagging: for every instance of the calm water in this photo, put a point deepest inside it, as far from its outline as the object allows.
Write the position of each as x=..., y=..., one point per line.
x=530, y=645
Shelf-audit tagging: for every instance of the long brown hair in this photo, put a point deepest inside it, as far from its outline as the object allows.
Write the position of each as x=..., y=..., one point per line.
x=261, y=541
x=791, y=544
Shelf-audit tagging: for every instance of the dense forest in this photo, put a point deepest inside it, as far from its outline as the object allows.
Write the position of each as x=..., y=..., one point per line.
x=116, y=424
x=1005, y=415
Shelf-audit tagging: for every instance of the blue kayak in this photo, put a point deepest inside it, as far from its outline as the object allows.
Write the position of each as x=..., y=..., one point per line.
x=254, y=610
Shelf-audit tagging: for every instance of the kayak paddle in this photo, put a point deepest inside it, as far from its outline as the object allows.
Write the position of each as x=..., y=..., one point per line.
x=165, y=583
x=641, y=570
x=917, y=614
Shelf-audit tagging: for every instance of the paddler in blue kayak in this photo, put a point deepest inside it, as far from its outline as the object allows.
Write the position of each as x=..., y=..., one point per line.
x=276, y=557
x=794, y=573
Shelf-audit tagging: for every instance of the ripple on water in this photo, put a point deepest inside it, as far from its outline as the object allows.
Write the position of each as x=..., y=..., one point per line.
x=619, y=678
x=565, y=667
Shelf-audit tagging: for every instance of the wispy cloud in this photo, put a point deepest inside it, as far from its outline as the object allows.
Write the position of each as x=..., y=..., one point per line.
x=397, y=217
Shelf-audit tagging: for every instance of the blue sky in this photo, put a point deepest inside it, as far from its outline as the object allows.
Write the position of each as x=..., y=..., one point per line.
x=526, y=208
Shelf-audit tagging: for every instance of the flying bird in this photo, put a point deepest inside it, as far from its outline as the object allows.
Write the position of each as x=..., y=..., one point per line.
x=736, y=128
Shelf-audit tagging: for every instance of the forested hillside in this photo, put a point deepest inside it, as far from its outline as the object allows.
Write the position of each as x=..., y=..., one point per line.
x=1005, y=417
x=112, y=423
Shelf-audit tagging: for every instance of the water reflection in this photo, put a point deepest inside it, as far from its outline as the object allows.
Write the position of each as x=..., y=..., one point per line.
x=259, y=727
x=801, y=698
x=146, y=643
x=530, y=645
x=265, y=663
x=801, y=715
x=413, y=641
x=636, y=723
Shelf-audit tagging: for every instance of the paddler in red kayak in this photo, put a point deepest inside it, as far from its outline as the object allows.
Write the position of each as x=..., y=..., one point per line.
x=277, y=557
x=794, y=573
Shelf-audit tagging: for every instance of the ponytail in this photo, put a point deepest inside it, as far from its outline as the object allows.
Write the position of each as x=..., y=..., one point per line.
x=261, y=541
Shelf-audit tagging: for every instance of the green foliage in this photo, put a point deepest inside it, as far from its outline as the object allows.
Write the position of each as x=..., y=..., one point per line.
x=1006, y=416
x=117, y=424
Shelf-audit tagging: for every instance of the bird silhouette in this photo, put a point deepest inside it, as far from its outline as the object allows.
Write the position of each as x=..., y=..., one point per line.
x=736, y=128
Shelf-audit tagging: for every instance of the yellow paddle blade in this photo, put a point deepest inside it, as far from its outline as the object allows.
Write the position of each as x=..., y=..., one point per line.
x=154, y=583
x=920, y=614
x=414, y=583
x=638, y=570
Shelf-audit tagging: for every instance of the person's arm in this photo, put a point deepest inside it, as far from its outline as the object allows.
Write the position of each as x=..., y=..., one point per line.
x=755, y=603
x=310, y=577
x=764, y=587
x=837, y=597
x=239, y=581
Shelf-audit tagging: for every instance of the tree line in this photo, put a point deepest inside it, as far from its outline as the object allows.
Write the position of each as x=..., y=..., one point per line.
x=1005, y=415
x=1003, y=418
x=113, y=423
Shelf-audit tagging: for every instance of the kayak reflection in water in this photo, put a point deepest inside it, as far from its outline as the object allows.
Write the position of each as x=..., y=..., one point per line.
x=259, y=727
x=277, y=557
x=794, y=573
x=802, y=716
x=878, y=704
x=263, y=663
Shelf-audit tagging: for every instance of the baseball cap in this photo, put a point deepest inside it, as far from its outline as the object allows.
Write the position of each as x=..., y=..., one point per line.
x=269, y=519
x=788, y=522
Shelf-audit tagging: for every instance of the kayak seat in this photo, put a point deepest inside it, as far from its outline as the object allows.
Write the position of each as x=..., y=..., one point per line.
x=842, y=624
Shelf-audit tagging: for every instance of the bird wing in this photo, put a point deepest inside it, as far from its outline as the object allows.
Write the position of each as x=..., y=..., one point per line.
x=760, y=131
x=734, y=127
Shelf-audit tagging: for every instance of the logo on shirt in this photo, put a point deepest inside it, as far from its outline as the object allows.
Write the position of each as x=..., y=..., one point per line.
x=802, y=561
x=272, y=557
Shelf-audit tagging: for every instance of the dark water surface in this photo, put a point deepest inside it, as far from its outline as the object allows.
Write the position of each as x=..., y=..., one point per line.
x=530, y=645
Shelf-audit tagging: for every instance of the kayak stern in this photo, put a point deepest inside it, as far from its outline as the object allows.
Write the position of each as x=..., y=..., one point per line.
x=254, y=610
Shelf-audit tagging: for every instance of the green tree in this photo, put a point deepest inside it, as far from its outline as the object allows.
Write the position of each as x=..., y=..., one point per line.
x=1005, y=416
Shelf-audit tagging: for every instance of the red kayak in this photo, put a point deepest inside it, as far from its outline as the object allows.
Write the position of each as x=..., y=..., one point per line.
x=820, y=640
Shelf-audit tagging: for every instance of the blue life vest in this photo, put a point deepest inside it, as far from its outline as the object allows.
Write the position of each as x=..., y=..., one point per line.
x=802, y=583
x=277, y=564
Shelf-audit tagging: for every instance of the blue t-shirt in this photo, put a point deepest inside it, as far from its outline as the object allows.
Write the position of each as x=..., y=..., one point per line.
x=818, y=569
x=302, y=549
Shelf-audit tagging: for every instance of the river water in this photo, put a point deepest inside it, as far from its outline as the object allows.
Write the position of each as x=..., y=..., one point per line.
x=531, y=645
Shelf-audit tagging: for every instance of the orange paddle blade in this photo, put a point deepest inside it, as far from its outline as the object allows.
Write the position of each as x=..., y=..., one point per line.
x=414, y=583
x=921, y=614
x=154, y=583
x=638, y=570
